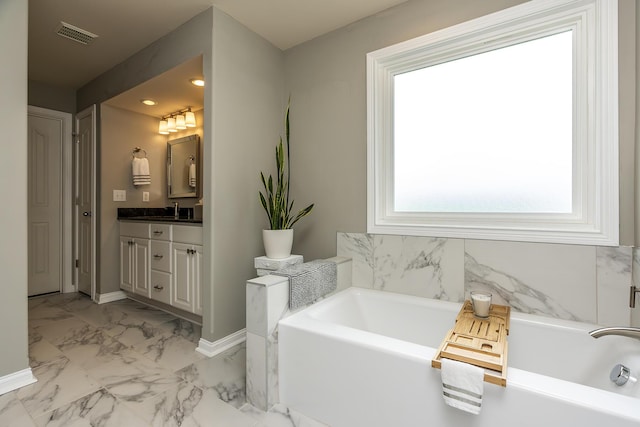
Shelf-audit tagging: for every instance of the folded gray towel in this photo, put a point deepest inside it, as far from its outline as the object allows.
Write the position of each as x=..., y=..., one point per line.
x=309, y=281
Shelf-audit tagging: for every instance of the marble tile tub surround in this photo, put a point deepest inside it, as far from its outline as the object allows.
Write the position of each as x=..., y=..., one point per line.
x=267, y=303
x=583, y=283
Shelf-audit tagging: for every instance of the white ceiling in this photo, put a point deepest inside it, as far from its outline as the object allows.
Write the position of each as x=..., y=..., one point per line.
x=125, y=26
x=172, y=90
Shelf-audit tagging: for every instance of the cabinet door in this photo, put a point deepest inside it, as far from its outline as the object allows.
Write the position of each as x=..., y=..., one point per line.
x=141, y=267
x=182, y=291
x=126, y=263
x=196, y=258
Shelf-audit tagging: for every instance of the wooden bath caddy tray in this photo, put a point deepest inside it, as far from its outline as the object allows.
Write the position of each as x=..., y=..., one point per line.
x=479, y=342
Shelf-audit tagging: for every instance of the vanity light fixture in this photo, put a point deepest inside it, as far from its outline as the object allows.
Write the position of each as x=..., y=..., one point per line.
x=178, y=120
x=171, y=124
x=162, y=129
x=190, y=119
x=197, y=82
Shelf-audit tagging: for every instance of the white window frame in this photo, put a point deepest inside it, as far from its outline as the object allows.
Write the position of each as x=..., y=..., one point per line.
x=594, y=219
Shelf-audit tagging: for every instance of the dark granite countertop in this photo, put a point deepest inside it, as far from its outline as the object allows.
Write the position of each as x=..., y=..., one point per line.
x=158, y=215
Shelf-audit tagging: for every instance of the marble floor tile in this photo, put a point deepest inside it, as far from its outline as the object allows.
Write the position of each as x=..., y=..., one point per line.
x=100, y=316
x=213, y=411
x=127, y=364
x=46, y=313
x=54, y=329
x=131, y=376
x=170, y=351
x=131, y=331
x=88, y=346
x=223, y=374
x=42, y=352
x=99, y=409
x=184, y=329
x=185, y=405
x=12, y=412
x=34, y=302
x=77, y=304
x=281, y=416
x=149, y=314
x=59, y=383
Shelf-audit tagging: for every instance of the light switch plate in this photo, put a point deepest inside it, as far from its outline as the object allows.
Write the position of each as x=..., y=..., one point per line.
x=145, y=196
x=119, y=195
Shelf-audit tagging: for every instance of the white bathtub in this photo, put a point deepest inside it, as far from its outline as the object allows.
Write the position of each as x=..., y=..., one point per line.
x=362, y=358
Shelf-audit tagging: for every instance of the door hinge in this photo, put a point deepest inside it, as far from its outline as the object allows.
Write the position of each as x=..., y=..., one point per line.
x=77, y=263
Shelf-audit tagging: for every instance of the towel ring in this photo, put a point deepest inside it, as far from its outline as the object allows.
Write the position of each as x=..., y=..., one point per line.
x=137, y=150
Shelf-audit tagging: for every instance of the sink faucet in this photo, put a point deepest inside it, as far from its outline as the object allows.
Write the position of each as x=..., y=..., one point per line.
x=622, y=331
x=176, y=210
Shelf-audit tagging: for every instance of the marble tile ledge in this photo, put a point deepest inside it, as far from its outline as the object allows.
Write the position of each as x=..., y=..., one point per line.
x=267, y=301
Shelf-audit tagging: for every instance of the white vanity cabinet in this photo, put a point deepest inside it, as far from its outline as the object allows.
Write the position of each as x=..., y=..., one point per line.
x=134, y=258
x=187, y=269
x=162, y=262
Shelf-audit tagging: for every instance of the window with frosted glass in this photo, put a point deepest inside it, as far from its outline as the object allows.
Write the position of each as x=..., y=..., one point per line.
x=488, y=133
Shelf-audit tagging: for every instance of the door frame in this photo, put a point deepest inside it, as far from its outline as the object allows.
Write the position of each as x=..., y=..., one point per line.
x=67, y=282
x=89, y=111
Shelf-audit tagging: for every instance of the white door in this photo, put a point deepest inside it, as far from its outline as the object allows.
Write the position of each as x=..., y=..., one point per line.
x=45, y=138
x=85, y=200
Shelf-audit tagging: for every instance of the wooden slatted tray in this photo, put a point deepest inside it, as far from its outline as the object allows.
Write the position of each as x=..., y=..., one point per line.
x=479, y=342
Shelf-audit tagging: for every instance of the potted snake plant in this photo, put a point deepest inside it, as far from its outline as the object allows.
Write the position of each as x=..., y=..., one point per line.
x=278, y=239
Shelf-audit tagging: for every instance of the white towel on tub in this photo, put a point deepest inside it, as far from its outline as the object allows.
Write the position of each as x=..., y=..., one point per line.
x=462, y=385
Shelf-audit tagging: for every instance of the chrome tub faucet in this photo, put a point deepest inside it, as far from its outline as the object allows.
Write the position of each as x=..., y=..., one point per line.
x=623, y=331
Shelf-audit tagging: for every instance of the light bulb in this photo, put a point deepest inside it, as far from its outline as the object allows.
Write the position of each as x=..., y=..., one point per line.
x=171, y=124
x=162, y=128
x=190, y=119
x=180, y=123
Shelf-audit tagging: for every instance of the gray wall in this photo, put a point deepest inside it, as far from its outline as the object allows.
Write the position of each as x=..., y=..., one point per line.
x=246, y=119
x=13, y=170
x=186, y=42
x=52, y=97
x=243, y=120
x=326, y=78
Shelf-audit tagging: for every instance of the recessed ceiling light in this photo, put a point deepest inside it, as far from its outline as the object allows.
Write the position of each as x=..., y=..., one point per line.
x=197, y=82
x=149, y=102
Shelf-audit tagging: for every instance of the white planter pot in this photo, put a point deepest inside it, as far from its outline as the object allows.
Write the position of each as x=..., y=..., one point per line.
x=277, y=243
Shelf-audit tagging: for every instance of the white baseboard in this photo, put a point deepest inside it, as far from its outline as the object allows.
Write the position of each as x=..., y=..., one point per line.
x=211, y=349
x=16, y=380
x=110, y=297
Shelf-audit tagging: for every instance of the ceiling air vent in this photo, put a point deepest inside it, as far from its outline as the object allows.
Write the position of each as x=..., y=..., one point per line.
x=75, y=33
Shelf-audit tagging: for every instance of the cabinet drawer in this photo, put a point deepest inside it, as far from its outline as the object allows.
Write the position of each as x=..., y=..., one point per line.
x=134, y=229
x=160, y=231
x=187, y=234
x=161, y=256
x=161, y=286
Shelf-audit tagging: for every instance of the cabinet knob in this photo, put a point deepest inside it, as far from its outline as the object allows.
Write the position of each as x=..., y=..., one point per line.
x=158, y=287
x=158, y=256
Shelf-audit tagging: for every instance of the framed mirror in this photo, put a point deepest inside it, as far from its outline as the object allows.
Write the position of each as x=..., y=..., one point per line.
x=183, y=167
